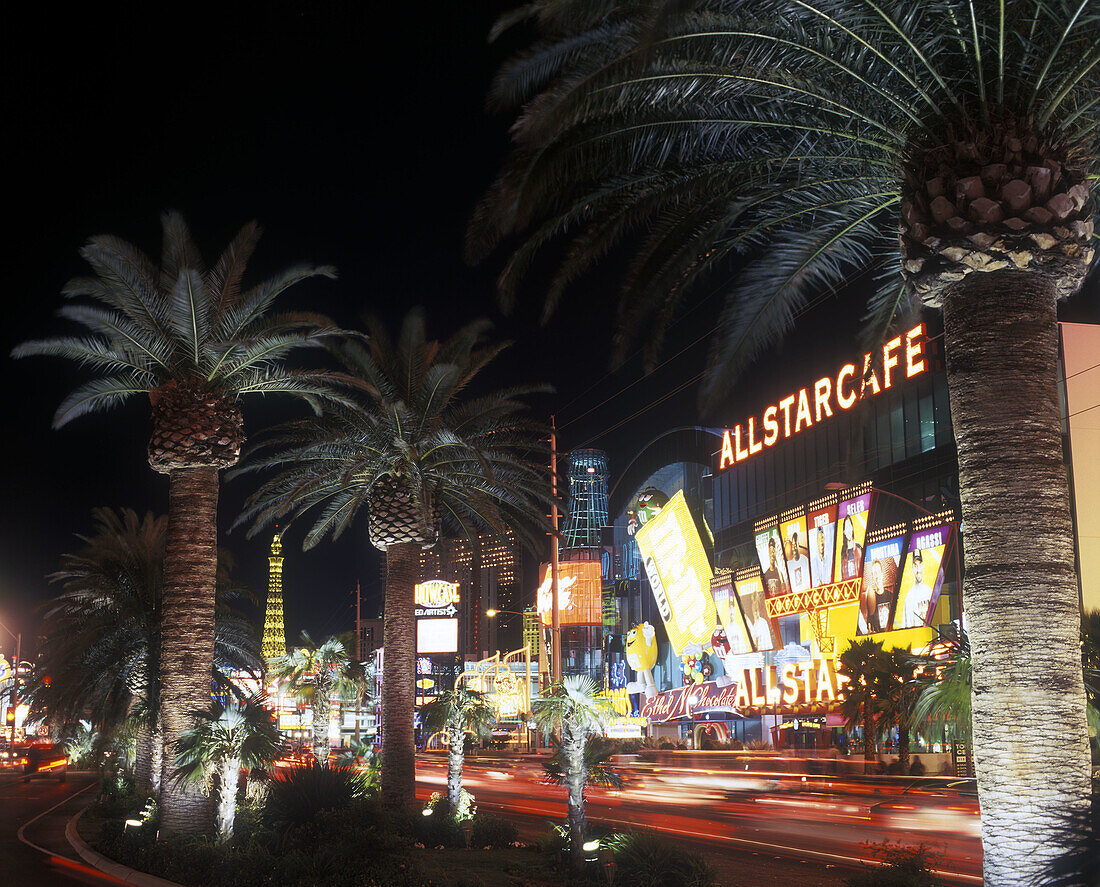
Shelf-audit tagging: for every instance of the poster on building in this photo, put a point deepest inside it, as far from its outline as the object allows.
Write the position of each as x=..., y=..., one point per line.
x=580, y=593
x=821, y=527
x=881, y=570
x=852, y=515
x=436, y=636
x=679, y=574
x=731, y=638
x=922, y=578
x=773, y=565
x=750, y=596
x=792, y=529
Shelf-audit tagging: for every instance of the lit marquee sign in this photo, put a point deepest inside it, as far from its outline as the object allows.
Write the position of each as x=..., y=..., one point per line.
x=436, y=598
x=437, y=603
x=902, y=357
x=679, y=574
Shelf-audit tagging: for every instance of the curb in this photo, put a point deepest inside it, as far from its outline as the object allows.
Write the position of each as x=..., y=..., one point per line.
x=101, y=862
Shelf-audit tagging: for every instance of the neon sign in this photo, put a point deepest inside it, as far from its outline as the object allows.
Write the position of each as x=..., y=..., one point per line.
x=810, y=683
x=811, y=406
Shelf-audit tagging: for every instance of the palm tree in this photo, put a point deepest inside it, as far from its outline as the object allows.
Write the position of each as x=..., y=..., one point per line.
x=896, y=691
x=221, y=742
x=98, y=658
x=947, y=686
x=599, y=769
x=193, y=341
x=860, y=665
x=314, y=673
x=774, y=147
x=458, y=711
x=423, y=454
x=574, y=707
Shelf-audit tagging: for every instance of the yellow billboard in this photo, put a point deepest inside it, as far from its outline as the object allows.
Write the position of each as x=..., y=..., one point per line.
x=679, y=573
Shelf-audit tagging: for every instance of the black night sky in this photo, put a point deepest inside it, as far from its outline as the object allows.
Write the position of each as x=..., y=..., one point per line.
x=357, y=135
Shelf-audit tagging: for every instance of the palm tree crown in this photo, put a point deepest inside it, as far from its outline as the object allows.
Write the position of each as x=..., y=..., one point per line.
x=188, y=336
x=417, y=435
x=785, y=138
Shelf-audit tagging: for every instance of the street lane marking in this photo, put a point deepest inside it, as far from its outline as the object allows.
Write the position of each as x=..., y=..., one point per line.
x=19, y=834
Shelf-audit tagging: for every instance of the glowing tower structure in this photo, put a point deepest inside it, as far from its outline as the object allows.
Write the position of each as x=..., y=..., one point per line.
x=587, y=499
x=274, y=643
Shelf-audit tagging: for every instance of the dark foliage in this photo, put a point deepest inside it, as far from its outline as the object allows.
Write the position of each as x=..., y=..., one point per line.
x=299, y=794
x=644, y=859
x=901, y=867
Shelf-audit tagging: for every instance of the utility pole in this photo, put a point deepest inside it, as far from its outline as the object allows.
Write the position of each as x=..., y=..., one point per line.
x=555, y=619
x=358, y=663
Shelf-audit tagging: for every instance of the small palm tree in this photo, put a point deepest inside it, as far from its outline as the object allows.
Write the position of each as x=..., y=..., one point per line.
x=195, y=342
x=221, y=742
x=860, y=664
x=100, y=643
x=315, y=673
x=944, y=698
x=598, y=768
x=458, y=712
x=896, y=691
x=576, y=709
x=424, y=454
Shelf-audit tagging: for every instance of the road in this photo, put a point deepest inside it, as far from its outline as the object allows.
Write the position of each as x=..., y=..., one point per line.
x=33, y=816
x=830, y=820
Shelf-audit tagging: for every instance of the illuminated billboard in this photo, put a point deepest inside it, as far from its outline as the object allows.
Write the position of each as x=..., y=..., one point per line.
x=821, y=527
x=580, y=593
x=881, y=569
x=679, y=573
x=852, y=515
x=769, y=551
x=792, y=529
x=750, y=595
x=922, y=578
x=730, y=621
x=436, y=636
x=436, y=597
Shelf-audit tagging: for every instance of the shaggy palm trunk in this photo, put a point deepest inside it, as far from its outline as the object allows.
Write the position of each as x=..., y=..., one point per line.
x=228, y=773
x=321, y=711
x=573, y=746
x=456, y=755
x=187, y=636
x=903, y=749
x=1020, y=592
x=143, y=757
x=398, y=668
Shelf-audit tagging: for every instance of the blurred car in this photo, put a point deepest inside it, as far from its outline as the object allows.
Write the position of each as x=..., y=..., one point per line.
x=45, y=760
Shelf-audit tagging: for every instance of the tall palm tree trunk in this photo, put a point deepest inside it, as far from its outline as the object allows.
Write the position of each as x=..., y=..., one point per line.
x=573, y=746
x=321, y=713
x=143, y=757
x=398, y=669
x=868, y=738
x=1020, y=590
x=157, y=758
x=456, y=756
x=187, y=637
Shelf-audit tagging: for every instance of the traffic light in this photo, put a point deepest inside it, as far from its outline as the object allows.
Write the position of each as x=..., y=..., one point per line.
x=9, y=716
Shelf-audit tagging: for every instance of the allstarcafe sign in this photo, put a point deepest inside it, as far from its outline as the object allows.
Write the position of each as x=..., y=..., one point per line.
x=903, y=357
x=795, y=683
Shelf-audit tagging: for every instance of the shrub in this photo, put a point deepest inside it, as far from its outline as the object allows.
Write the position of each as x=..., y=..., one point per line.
x=491, y=831
x=902, y=867
x=644, y=859
x=917, y=768
x=299, y=794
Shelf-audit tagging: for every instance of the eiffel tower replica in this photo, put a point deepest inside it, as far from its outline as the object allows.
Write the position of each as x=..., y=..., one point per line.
x=274, y=642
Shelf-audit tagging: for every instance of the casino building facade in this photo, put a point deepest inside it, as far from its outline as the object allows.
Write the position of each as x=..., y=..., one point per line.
x=827, y=509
